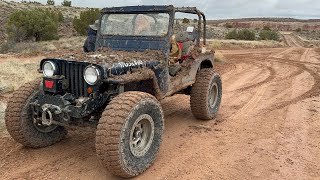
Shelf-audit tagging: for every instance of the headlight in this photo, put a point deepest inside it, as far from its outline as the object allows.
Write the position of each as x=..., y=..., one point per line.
x=91, y=75
x=49, y=69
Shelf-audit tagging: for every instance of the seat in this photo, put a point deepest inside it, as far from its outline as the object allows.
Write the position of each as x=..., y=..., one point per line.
x=186, y=42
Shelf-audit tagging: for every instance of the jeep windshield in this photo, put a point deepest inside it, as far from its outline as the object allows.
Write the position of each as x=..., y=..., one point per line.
x=155, y=24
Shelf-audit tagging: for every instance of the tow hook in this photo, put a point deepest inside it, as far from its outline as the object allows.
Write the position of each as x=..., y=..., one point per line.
x=47, y=111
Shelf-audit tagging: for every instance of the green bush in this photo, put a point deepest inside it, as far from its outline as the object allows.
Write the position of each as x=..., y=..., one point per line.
x=269, y=35
x=243, y=34
x=66, y=3
x=266, y=28
x=36, y=24
x=246, y=34
x=186, y=21
x=50, y=2
x=30, y=2
x=60, y=16
x=232, y=34
x=228, y=25
x=86, y=18
x=6, y=46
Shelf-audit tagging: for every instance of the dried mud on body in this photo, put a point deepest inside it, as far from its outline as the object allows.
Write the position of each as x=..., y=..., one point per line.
x=106, y=55
x=267, y=128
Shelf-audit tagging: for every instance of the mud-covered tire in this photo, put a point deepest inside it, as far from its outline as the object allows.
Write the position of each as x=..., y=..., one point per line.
x=202, y=105
x=113, y=136
x=19, y=121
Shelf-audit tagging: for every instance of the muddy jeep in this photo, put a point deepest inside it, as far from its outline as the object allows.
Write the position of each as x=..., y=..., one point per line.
x=118, y=87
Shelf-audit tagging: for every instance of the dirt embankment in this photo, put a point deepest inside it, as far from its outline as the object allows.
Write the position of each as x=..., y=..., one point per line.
x=267, y=128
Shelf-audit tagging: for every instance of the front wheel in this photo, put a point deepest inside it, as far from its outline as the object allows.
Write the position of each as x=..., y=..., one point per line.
x=206, y=94
x=129, y=133
x=21, y=125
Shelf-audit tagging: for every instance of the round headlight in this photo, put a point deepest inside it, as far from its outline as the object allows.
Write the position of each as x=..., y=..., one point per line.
x=91, y=75
x=49, y=69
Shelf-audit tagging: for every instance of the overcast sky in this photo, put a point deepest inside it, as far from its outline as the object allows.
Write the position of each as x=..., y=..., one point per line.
x=221, y=9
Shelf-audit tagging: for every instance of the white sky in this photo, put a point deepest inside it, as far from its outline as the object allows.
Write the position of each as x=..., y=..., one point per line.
x=221, y=9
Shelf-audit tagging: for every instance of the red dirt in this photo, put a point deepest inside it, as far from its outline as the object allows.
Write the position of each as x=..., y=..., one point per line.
x=267, y=128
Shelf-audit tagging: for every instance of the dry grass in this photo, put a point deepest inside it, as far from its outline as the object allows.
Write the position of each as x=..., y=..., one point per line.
x=2, y=110
x=237, y=44
x=14, y=73
x=309, y=42
x=218, y=57
x=70, y=44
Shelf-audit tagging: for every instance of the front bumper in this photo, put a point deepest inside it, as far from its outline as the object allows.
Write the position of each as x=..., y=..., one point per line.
x=63, y=108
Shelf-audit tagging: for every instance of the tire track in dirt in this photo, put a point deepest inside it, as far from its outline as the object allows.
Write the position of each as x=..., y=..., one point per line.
x=258, y=86
x=242, y=143
x=314, y=91
x=271, y=76
x=293, y=41
x=47, y=162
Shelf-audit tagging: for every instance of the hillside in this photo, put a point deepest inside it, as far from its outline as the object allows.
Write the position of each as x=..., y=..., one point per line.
x=65, y=30
x=281, y=24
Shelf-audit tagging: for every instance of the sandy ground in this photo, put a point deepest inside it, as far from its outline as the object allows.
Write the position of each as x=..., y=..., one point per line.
x=267, y=128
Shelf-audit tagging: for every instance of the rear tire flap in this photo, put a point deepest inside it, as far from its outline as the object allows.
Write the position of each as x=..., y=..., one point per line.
x=19, y=123
x=115, y=126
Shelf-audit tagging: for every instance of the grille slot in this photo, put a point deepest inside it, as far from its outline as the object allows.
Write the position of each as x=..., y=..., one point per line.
x=73, y=72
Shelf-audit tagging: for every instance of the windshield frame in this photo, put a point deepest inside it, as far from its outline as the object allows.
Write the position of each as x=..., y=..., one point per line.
x=106, y=41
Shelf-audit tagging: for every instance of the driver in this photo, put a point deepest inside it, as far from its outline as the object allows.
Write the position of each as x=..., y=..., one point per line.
x=142, y=25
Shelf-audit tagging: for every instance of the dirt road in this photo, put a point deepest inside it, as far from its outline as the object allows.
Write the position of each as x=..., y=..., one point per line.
x=268, y=128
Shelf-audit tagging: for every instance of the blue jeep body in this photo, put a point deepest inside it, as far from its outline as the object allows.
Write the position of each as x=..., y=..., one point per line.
x=151, y=76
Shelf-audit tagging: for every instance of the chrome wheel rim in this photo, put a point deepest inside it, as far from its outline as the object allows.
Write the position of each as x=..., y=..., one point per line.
x=213, y=95
x=141, y=135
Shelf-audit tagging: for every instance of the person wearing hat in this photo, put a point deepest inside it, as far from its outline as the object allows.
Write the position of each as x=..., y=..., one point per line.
x=89, y=44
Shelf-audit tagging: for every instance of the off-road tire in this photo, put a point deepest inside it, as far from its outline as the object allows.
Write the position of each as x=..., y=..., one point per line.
x=19, y=121
x=113, y=133
x=200, y=94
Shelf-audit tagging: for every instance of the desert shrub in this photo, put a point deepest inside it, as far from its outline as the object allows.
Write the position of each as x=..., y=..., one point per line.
x=232, y=34
x=6, y=46
x=186, y=21
x=228, y=25
x=266, y=28
x=30, y=2
x=60, y=16
x=298, y=30
x=86, y=18
x=36, y=24
x=269, y=35
x=50, y=2
x=66, y=3
x=246, y=34
x=243, y=34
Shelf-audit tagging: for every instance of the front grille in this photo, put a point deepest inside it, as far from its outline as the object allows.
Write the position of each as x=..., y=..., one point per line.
x=73, y=72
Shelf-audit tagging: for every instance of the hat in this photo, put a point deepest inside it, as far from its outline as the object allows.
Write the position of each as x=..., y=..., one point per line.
x=95, y=25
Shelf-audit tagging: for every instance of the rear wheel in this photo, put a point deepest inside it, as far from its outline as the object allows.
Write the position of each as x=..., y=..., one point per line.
x=206, y=94
x=21, y=125
x=129, y=133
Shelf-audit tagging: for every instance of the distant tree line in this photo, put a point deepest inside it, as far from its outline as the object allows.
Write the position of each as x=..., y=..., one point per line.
x=245, y=34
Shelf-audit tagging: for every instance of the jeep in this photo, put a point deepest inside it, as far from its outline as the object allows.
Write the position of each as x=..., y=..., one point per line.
x=143, y=54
